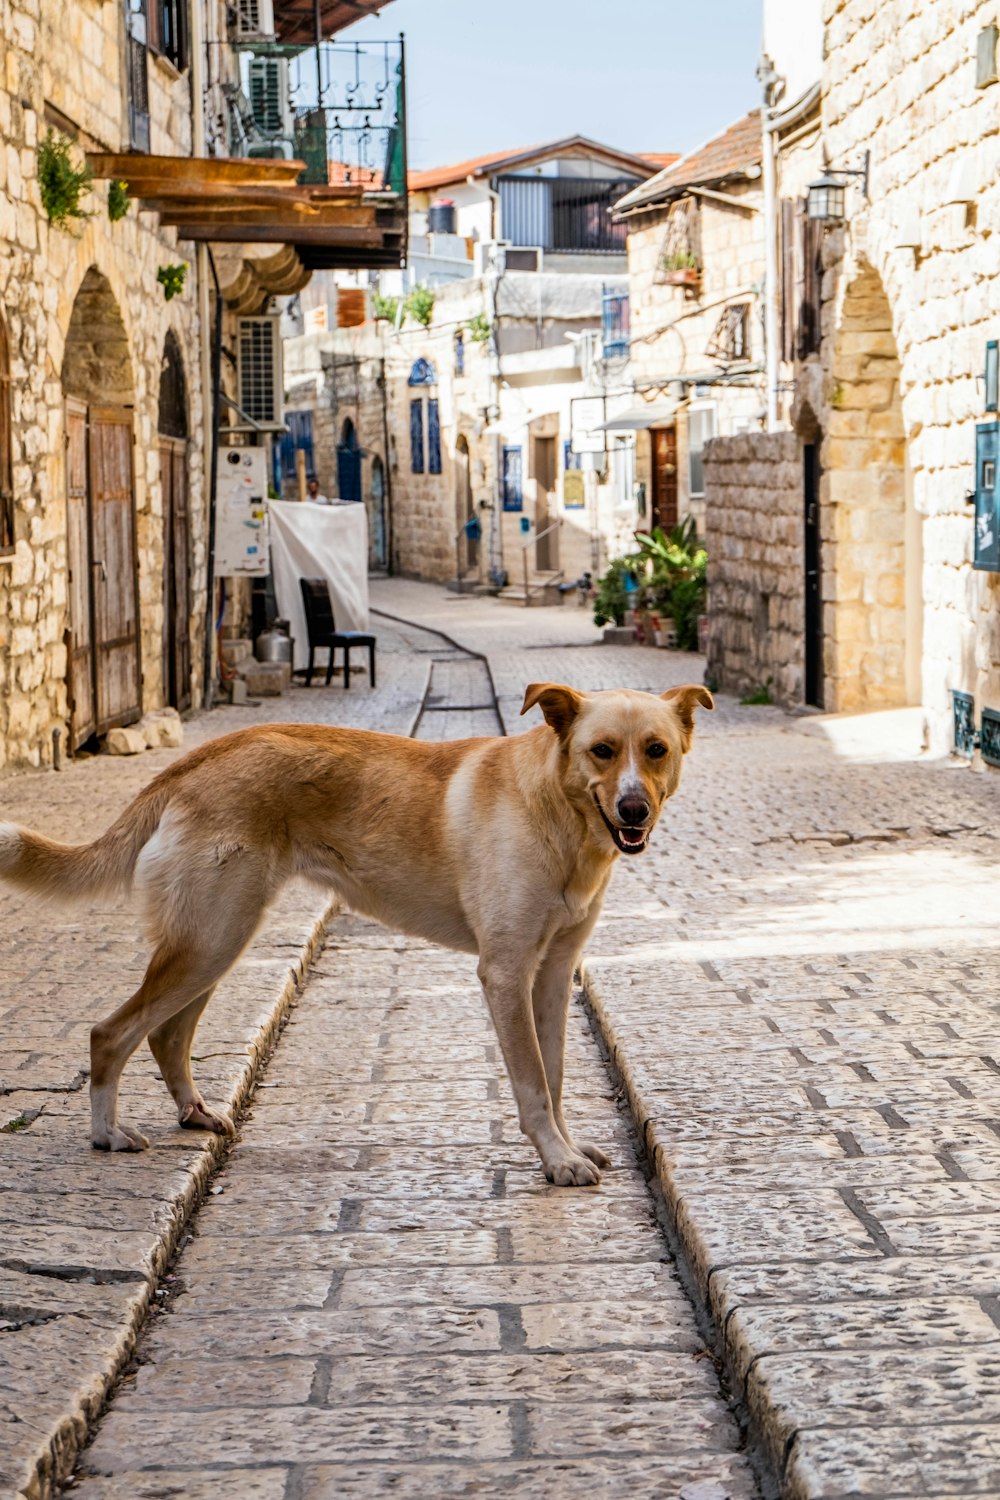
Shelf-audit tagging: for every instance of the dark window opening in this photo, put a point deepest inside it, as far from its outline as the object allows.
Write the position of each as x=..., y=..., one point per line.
x=168, y=31
x=433, y=437
x=417, y=436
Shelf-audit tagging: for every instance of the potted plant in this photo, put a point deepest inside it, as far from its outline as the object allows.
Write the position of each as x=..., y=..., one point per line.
x=681, y=268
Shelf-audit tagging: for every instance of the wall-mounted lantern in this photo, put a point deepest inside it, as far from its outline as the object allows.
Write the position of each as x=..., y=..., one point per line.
x=826, y=196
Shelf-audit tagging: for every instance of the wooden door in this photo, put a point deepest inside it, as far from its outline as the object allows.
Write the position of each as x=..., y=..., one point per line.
x=114, y=571
x=547, y=548
x=176, y=574
x=82, y=706
x=663, y=511
x=814, y=577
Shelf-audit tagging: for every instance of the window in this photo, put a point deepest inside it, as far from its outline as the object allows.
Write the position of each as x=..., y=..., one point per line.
x=6, y=462
x=512, y=499
x=614, y=324
x=730, y=341
x=168, y=31
x=433, y=436
x=417, y=436
x=701, y=427
x=459, y=354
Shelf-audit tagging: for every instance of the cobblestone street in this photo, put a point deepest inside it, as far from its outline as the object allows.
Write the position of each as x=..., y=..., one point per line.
x=382, y=1296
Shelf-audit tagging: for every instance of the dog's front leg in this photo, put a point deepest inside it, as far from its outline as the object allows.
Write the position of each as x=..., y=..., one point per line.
x=550, y=999
x=508, y=994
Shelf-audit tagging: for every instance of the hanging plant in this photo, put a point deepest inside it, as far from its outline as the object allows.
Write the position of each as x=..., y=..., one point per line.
x=419, y=305
x=118, y=200
x=60, y=183
x=479, y=328
x=171, y=278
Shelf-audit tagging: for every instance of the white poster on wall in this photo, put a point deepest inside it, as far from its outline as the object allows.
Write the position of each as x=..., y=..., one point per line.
x=241, y=534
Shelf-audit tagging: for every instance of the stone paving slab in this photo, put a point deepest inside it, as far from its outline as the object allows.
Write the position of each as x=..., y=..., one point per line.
x=84, y=1235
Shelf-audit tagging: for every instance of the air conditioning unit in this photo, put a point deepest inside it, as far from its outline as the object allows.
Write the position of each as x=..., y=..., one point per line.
x=525, y=258
x=251, y=21
x=259, y=376
x=270, y=105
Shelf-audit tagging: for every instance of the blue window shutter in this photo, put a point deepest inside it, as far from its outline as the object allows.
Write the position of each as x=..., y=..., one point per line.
x=417, y=436
x=512, y=499
x=433, y=437
x=987, y=540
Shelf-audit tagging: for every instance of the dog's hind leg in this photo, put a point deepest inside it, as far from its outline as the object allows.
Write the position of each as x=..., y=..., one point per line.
x=170, y=1044
x=508, y=994
x=550, y=1000
x=204, y=925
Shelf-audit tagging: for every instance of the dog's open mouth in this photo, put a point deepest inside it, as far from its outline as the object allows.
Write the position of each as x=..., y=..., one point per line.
x=628, y=840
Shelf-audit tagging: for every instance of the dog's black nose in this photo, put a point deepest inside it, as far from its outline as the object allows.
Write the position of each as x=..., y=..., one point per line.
x=633, y=811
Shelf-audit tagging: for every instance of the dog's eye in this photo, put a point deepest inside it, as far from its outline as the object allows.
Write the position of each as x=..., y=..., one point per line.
x=602, y=751
x=656, y=751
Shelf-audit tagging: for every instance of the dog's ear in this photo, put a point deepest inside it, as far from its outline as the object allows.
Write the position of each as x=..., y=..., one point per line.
x=686, y=699
x=559, y=704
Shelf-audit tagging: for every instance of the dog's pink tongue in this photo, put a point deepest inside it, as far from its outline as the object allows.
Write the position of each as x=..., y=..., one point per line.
x=632, y=835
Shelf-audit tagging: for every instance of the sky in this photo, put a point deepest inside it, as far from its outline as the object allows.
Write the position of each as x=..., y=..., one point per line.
x=642, y=75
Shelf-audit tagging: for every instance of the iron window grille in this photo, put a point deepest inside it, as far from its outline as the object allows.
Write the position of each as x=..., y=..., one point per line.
x=681, y=248
x=512, y=496
x=989, y=736
x=730, y=340
x=568, y=214
x=965, y=738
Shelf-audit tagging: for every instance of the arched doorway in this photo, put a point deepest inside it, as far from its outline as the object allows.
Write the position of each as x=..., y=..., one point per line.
x=173, y=431
x=378, y=518
x=465, y=510
x=348, y=463
x=872, y=597
x=104, y=659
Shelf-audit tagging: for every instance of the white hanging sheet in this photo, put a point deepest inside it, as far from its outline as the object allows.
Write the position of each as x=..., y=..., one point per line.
x=319, y=541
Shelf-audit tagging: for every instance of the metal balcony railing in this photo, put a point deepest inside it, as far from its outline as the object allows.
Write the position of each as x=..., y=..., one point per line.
x=337, y=106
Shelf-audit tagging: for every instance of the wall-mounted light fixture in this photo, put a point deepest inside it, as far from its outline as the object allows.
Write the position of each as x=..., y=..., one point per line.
x=826, y=195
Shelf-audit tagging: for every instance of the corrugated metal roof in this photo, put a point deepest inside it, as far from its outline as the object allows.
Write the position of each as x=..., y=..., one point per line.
x=734, y=153
x=295, y=20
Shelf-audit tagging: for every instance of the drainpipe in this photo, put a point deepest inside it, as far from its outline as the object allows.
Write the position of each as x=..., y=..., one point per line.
x=208, y=403
x=770, y=83
x=215, y=407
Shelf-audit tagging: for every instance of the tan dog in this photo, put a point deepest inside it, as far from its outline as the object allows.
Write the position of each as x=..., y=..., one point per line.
x=500, y=847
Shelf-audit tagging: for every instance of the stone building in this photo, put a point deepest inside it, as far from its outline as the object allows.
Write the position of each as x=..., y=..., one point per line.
x=893, y=405
x=106, y=409
x=496, y=408
x=695, y=268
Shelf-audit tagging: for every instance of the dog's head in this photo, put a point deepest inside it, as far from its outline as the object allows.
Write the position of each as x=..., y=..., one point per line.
x=621, y=753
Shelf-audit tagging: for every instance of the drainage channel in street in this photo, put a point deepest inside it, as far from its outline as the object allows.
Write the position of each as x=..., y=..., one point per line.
x=381, y=1294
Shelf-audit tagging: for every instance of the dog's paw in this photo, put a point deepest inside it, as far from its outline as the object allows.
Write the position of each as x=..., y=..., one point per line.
x=118, y=1138
x=572, y=1171
x=198, y=1116
x=594, y=1154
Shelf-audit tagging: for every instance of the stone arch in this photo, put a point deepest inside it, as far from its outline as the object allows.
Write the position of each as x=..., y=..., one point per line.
x=97, y=365
x=871, y=535
x=172, y=419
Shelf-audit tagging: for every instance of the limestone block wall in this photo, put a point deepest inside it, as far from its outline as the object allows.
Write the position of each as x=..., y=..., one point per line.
x=899, y=80
x=756, y=567
x=74, y=52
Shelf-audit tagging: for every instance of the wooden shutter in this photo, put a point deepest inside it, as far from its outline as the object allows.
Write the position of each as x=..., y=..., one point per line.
x=83, y=714
x=114, y=568
x=789, y=291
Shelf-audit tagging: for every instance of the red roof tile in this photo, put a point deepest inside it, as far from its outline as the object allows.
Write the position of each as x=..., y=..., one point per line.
x=734, y=153
x=485, y=166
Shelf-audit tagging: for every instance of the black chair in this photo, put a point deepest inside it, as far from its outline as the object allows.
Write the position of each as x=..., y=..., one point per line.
x=323, y=632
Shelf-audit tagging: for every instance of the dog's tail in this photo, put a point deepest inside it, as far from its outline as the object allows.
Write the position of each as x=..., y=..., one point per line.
x=68, y=872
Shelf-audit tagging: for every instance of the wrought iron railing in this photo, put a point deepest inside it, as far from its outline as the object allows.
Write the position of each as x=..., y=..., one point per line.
x=337, y=106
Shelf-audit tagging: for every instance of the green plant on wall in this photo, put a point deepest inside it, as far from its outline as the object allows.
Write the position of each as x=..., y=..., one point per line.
x=680, y=260
x=60, y=183
x=419, y=305
x=118, y=200
x=479, y=328
x=384, y=306
x=172, y=278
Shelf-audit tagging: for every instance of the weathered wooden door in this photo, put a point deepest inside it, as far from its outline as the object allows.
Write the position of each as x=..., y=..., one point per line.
x=176, y=574
x=114, y=570
x=663, y=512
x=547, y=547
x=814, y=577
x=82, y=706
x=105, y=681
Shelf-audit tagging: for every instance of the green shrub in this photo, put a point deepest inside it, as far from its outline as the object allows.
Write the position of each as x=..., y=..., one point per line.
x=479, y=328
x=60, y=183
x=385, y=307
x=669, y=577
x=118, y=200
x=172, y=279
x=419, y=305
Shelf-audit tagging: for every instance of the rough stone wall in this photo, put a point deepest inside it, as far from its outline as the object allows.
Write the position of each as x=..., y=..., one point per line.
x=756, y=569
x=71, y=55
x=900, y=80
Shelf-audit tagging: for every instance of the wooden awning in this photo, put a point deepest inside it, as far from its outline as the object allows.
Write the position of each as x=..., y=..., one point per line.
x=229, y=199
x=295, y=20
